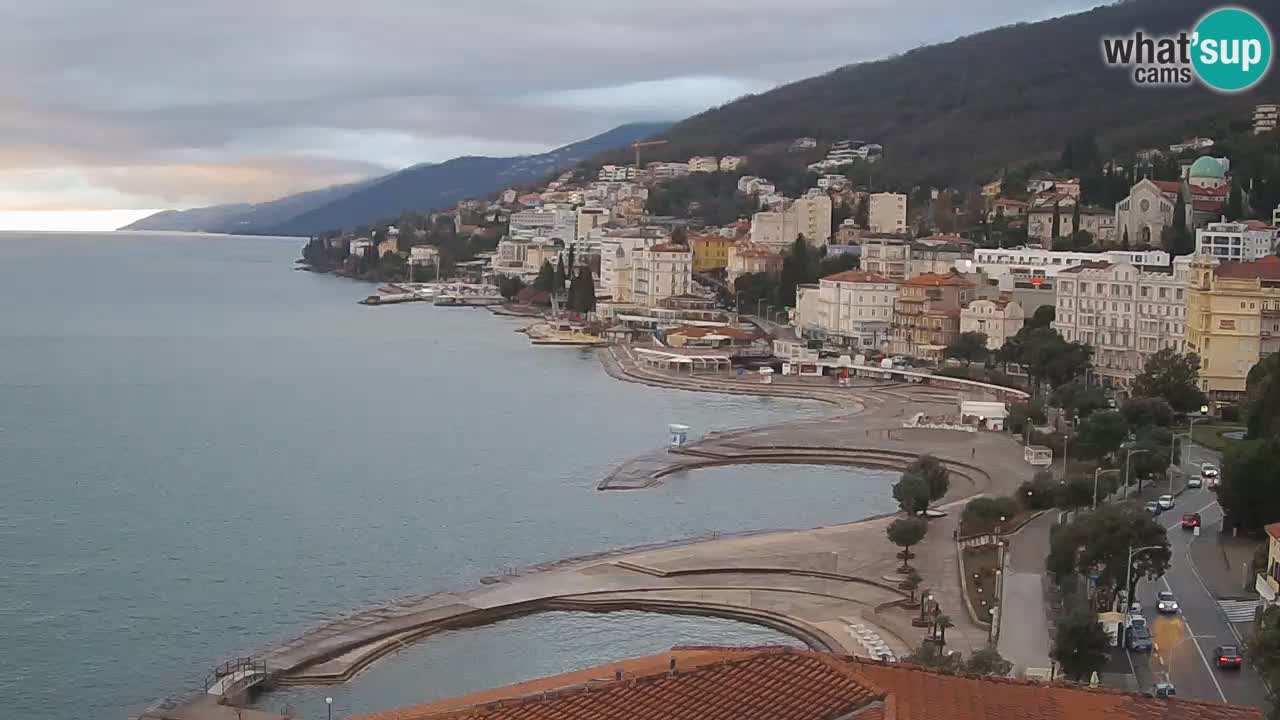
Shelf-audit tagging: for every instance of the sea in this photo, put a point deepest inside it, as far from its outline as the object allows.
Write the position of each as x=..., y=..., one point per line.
x=205, y=450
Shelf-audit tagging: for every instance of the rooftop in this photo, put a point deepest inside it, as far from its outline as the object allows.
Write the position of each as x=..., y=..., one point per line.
x=1268, y=268
x=1086, y=265
x=939, y=280
x=790, y=684
x=857, y=276
x=1274, y=530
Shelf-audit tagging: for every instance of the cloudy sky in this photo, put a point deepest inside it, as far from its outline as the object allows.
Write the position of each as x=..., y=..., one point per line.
x=111, y=107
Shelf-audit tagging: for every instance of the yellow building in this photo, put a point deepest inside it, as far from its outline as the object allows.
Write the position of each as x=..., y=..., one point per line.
x=1233, y=320
x=710, y=252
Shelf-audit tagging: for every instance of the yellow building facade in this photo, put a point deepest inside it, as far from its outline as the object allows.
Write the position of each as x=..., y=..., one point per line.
x=1233, y=320
x=710, y=252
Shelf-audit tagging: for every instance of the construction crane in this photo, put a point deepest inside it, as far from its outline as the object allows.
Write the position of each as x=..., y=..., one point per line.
x=645, y=143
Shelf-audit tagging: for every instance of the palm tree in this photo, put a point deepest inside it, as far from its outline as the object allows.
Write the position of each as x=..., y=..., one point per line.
x=911, y=583
x=941, y=623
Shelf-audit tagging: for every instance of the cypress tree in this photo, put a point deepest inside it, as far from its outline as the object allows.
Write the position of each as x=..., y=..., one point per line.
x=1057, y=222
x=1075, y=218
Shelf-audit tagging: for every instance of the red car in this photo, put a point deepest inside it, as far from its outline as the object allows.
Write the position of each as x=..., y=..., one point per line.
x=1191, y=520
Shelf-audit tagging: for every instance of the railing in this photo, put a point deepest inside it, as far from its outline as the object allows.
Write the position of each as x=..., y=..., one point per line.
x=248, y=667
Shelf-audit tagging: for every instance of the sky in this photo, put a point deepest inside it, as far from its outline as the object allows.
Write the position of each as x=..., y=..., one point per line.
x=110, y=109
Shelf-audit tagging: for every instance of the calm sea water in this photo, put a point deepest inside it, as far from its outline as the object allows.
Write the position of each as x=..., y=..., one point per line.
x=205, y=451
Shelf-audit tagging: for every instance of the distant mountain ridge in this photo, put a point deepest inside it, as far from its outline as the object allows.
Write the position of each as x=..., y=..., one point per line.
x=419, y=187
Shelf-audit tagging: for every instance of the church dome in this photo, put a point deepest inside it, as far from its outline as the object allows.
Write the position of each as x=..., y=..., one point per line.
x=1207, y=167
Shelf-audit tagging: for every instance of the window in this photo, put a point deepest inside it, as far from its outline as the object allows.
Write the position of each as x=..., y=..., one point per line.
x=1226, y=324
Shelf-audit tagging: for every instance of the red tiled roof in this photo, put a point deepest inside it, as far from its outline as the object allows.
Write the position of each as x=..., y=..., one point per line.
x=920, y=694
x=857, y=276
x=743, y=684
x=1222, y=191
x=1258, y=225
x=1273, y=530
x=669, y=247
x=791, y=684
x=1011, y=202
x=1169, y=186
x=938, y=280
x=1268, y=268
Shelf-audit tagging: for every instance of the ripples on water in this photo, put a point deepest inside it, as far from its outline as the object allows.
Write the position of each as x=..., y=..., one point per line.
x=206, y=452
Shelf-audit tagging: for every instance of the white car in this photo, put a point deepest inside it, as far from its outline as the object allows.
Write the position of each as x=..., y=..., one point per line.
x=1209, y=471
x=1195, y=481
x=1165, y=502
x=1166, y=603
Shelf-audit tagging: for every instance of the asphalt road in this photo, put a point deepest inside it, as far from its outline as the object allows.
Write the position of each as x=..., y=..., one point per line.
x=1184, y=641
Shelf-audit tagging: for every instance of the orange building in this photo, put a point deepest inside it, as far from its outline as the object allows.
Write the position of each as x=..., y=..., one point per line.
x=926, y=314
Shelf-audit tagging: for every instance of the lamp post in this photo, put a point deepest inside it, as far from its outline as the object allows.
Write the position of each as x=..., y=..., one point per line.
x=760, y=307
x=1127, y=456
x=1096, y=474
x=1128, y=571
x=329, y=703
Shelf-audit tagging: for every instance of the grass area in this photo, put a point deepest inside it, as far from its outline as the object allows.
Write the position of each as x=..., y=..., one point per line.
x=980, y=565
x=1210, y=436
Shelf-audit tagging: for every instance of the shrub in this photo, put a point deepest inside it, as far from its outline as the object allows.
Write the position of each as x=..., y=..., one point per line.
x=1040, y=492
x=990, y=509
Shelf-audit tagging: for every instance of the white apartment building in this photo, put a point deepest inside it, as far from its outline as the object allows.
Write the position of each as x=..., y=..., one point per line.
x=887, y=213
x=618, y=173
x=1035, y=266
x=1124, y=312
x=999, y=319
x=809, y=216
x=1236, y=241
x=833, y=182
x=660, y=271
x=617, y=248
x=668, y=171
x=549, y=221
x=1265, y=118
x=854, y=309
x=1275, y=217
x=704, y=164
x=887, y=255
x=729, y=163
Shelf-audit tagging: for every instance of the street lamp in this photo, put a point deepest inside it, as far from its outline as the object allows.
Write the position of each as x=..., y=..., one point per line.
x=1096, y=474
x=1131, y=452
x=1128, y=571
x=329, y=702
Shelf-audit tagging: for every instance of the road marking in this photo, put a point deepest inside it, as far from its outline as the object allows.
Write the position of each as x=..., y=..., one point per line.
x=1239, y=610
x=1191, y=635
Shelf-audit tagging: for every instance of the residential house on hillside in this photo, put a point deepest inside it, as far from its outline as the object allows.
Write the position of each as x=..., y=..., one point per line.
x=710, y=252
x=1237, y=241
x=746, y=259
x=801, y=144
x=999, y=319
x=853, y=309
x=1233, y=320
x=1100, y=223
x=887, y=212
x=1265, y=118
x=809, y=216
x=729, y=163
x=886, y=254
x=704, y=164
x=776, y=683
x=938, y=253
x=1195, y=143
x=1008, y=207
x=926, y=314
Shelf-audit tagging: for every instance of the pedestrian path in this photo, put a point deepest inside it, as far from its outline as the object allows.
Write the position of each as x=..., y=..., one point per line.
x=1239, y=610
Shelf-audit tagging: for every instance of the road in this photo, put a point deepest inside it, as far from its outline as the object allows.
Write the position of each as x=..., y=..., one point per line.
x=1184, y=642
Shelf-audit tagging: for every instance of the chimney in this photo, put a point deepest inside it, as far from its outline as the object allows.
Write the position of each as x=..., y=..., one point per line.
x=617, y=675
x=673, y=666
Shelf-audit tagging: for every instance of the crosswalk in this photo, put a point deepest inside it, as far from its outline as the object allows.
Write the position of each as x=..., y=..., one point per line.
x=1239, y=610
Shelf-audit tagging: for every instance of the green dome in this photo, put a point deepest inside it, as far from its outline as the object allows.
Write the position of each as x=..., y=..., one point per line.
x=1207, y=167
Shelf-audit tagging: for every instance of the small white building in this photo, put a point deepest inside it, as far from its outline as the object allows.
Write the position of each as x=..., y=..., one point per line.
x=998, y=319
x=1265, y=118
x=887, y=213
x=729, y=163
x=987, y=415
x=704, y=164
x=1236, y=241
x=361, y=247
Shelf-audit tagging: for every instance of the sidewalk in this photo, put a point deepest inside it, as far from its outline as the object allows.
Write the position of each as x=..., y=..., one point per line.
x=1223, y=563
x=1024, y=622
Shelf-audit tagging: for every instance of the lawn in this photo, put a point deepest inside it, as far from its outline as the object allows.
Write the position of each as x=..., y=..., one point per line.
x=1210, y=436
x=980, y=565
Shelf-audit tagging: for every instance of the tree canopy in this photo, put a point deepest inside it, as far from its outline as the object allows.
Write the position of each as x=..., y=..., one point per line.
x=935, y=474
x=1174, y=377
x=1250, y=488
x=912, y=493
x=1262, y=406
x=1101, y=433
x=1046, y=356
x=1080, y=644
x=1098, y=543
x=1078, y=399
x=970, y=347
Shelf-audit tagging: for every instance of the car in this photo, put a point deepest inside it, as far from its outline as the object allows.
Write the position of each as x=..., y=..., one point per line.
x=1195, y=481
x=1139, y=638
x=1163, y=690
x=1228, y=657
x=1166, y=603
x=1138, y=621
x=1165, y=502
x=1154, y=508
x=1209, y=471
x=1190, y=520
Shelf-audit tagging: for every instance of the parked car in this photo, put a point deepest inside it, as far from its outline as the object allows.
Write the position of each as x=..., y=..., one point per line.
x=1139, y=638
x=1165, y=502
x=1163, y=690
x=1228, y=657
x=1166, y=603
x=1153, y=507
x=1138, y=621
x=1190, y=520
x=1209, y=471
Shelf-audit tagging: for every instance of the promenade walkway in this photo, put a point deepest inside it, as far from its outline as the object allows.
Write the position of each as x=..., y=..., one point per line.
x=1024, y=629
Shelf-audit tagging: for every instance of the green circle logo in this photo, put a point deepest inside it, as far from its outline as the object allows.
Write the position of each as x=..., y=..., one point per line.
x=1231, y=49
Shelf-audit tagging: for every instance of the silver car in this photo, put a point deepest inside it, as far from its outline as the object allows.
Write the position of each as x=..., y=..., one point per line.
x=1165, y=502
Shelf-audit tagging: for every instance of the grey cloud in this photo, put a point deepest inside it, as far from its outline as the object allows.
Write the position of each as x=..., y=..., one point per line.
x=106, y=86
